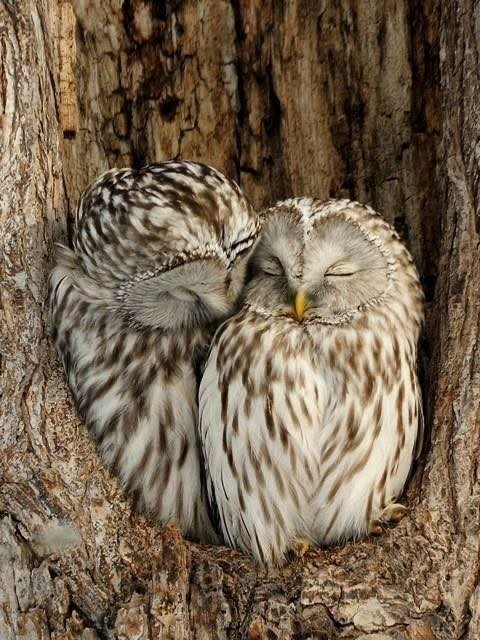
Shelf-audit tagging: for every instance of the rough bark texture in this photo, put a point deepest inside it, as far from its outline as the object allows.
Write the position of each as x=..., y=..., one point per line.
x=375, y=99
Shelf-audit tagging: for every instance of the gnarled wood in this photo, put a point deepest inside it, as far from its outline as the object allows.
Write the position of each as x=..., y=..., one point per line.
x=376, y=100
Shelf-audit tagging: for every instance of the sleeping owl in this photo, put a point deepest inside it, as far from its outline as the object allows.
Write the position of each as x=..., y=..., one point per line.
x=310, y=408
x=159, y=257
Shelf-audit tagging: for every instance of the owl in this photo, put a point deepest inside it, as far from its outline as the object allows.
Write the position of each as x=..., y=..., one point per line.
x=159, y=258
x=310, y=409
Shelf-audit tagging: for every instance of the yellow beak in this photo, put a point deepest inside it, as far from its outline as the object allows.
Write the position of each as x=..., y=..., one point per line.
x=301, y=305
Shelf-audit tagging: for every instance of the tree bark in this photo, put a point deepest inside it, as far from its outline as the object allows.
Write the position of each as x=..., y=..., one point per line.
x=376, y=100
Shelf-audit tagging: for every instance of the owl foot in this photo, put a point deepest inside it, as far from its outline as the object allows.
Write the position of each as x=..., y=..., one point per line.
x=393, y=513
x=300, y=546
x=390, y=515
x=375, y=528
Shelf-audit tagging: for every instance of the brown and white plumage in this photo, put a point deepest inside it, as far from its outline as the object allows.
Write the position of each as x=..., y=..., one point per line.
x=159, y=256
x=309, y=403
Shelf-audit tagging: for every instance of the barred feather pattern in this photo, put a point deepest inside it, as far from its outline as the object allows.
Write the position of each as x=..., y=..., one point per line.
x=148, y=244
x=309, y=429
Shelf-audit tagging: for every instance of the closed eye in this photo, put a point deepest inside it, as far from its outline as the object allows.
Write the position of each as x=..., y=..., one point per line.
x=340, y=274
x=341, y=270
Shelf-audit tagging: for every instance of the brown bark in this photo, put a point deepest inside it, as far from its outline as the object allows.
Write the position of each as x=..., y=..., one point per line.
x=376, y=100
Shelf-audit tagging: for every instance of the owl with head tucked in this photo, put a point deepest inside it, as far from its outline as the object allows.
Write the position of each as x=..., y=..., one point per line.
x=159, y=258
x=310, y=408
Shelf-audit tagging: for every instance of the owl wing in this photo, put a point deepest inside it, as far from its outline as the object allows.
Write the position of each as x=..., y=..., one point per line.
x=421, y=424
x=420, y=376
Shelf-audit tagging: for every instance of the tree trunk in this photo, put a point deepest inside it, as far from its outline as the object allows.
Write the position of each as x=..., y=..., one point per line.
x=376, y=100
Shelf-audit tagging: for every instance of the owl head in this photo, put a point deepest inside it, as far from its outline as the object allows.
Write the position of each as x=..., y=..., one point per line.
x=323, y=261
x=165, y=246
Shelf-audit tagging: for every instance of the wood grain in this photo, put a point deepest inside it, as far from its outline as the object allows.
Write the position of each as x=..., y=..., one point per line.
x=376, y=100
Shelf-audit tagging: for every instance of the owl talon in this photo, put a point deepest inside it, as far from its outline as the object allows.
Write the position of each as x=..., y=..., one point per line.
x=300, y=546
x=393, y=513
x=376, y=528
